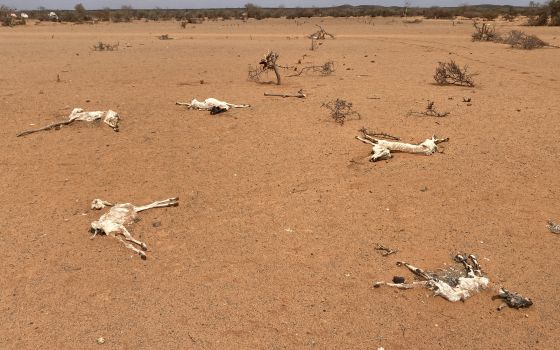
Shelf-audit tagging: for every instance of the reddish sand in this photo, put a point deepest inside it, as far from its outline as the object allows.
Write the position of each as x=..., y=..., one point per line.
x=272, y=246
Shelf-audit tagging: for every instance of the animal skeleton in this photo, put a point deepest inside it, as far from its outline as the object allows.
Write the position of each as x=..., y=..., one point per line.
x=449, y=287
x=382, y=148
x=211, y=104
x=109, y=117
x=113, y=223
x=553, y=227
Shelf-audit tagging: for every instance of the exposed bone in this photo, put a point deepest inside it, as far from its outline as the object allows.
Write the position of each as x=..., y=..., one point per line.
x=98, y=204
x=114, y=222
x=464, y=288
x=513, y=300
x=553, y=227
x=400, y=285
x=109, y=117
x=382, y=148
x=211, y=104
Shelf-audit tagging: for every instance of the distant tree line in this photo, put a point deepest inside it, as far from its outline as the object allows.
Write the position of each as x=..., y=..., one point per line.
x=538, y=14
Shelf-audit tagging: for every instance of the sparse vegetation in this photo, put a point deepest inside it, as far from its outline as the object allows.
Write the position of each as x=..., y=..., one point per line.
x=266, y=64
x=450, y=73
x=519, y=40
x=484, y=32
x=340, y=110
x=101, y=46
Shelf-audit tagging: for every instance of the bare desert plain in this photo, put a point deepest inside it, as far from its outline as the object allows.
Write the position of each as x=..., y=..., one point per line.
x=273, y=243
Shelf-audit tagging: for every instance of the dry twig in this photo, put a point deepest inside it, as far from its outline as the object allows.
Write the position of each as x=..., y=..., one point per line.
x=300, y=94
x=429, y=112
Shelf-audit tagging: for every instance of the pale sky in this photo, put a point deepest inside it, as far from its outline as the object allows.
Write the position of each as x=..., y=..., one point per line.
x=181, y=4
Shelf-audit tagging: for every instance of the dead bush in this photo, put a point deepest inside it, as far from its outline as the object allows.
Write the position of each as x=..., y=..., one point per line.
x=450, y=73
x=268, y=62
x=101, y=46
x=484, y=32
x=340, y=110
x=321, y=34
x=519, y=40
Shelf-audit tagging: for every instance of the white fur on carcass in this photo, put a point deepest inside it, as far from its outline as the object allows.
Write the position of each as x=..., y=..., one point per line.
x=114, y=222
x=109, y=117
x=382, y=148
x=467, y=287
x=210, y=103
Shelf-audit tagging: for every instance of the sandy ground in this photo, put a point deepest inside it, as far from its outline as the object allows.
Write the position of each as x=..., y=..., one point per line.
x=272, y=246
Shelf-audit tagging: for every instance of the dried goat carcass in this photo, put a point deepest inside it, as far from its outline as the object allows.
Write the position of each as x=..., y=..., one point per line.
x=382, y=148
x=211, y=104
x=553, y=227
x=114, y=222
x=109, y=117
x=451, y=285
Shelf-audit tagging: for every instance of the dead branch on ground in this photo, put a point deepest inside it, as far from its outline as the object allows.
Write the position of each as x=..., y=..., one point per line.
x=164, y=37
x=325, y=69
x=374, y=134
x=384, y=250
x=429, y=112
x=450, y=73
x=340, y=110
x=300, y=94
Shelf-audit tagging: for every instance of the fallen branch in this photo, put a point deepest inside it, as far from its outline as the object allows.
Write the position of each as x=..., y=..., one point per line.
x=299, y=94
x=385, y=251
x=429, y=112
x=326, y=69
x=111, y=118
x=378, y=134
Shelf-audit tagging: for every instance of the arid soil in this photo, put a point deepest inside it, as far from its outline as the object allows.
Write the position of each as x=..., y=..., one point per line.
x=273, y=243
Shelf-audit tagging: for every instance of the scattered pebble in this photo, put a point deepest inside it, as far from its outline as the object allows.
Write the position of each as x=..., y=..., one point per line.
x=100, y=340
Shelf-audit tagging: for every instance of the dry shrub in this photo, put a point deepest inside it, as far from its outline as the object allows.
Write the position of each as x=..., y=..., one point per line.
x=519, y=40
x=101, y=46
x=341, y=110
x=268, y=62
x=450, y=73
x=484, y=32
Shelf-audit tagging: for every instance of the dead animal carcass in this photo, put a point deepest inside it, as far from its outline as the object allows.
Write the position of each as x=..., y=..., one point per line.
x=114, y=222
x=213, y=105
x=109, y=117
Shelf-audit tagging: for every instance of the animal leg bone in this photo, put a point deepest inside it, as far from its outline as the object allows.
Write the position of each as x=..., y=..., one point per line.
x=128, y=237
x=170, y=202
x=131, y=247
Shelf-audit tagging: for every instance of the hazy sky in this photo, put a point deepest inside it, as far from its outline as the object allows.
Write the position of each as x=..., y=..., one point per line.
x=97, y=4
